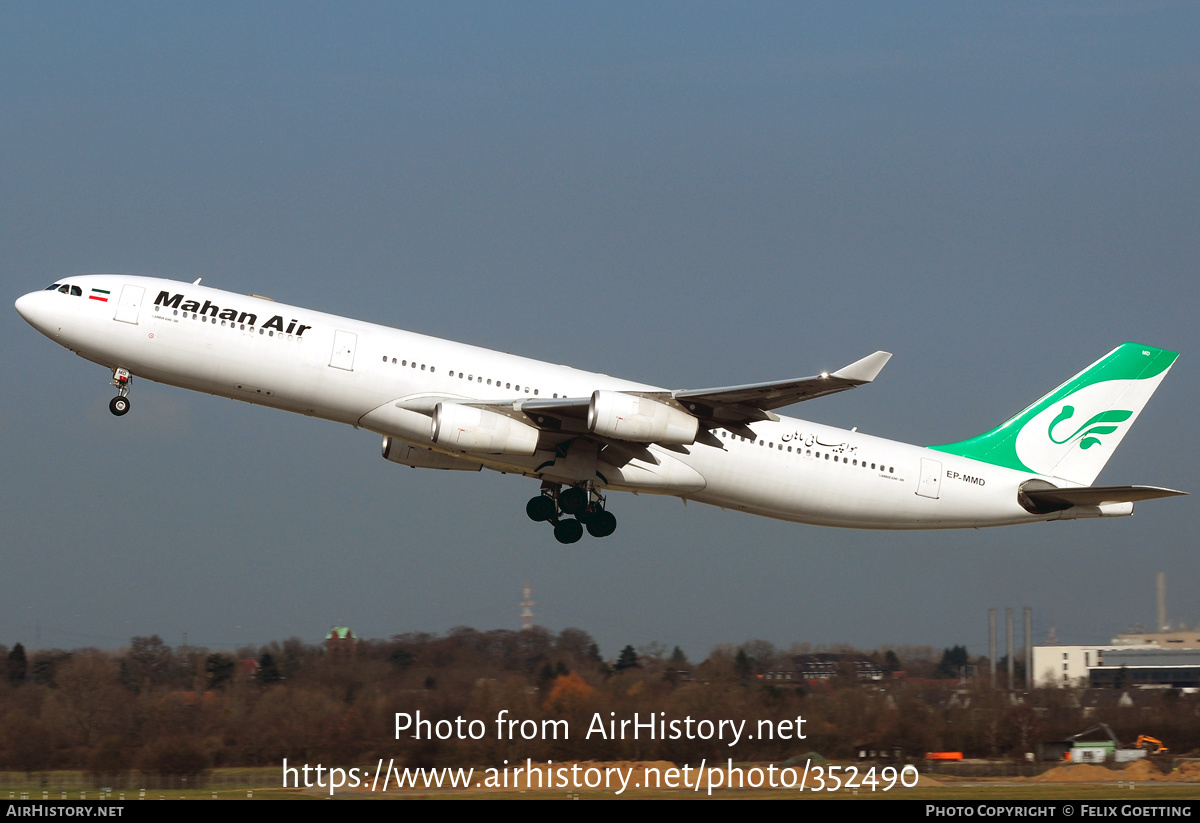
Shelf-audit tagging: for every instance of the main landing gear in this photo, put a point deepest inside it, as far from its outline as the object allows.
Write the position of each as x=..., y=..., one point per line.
x=119, y=405
x=583, y=507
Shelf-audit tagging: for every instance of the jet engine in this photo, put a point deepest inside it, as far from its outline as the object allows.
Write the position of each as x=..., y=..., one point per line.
x=456, y=426
x=628, y=417
x=406, y=454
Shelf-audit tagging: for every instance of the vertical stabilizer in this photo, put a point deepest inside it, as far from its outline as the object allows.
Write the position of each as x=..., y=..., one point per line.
x=1072, y=431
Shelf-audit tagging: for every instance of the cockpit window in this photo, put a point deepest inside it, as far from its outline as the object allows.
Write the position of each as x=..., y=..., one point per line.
x=66, y=288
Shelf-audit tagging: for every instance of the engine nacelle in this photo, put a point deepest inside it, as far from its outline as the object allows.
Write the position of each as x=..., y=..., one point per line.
x=627, y=417
x=456, y=426
x=406, y=454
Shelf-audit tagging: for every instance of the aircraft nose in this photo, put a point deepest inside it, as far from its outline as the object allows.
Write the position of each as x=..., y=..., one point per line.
x=25, y=306
x=33, y=309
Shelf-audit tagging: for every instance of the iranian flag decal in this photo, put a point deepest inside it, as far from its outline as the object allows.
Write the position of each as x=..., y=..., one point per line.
x=100, y=294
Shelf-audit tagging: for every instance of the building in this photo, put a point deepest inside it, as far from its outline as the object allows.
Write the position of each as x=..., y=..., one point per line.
x=1146, y=668
x=1163, y=640
x=1121, y=665
x=340, y=643
x=824, y=666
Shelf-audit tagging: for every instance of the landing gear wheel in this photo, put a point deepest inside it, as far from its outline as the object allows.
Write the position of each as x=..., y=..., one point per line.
x=540, y=508
x=573, y=500
x=118, y=405
x=602, y=524
x=568, y=531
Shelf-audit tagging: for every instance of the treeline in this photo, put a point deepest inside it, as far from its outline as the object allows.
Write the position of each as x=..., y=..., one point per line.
x=151, y=708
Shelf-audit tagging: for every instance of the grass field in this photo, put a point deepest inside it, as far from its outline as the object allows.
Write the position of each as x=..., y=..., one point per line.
x=264, y=784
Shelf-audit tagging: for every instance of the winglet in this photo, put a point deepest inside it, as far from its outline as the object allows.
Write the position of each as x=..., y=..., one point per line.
x=865, y=370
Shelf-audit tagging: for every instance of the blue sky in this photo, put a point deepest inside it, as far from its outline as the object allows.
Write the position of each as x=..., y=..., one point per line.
x=687, y=194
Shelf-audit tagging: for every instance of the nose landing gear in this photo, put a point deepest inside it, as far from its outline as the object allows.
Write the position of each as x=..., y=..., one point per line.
x=119, y=405
x=582, y=506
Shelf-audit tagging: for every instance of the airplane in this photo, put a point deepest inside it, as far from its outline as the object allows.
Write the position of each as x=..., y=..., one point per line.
x=438, y=404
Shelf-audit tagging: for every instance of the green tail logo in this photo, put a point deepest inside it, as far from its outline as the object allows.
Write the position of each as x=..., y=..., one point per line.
x=1051, y=438
x=1091, y=435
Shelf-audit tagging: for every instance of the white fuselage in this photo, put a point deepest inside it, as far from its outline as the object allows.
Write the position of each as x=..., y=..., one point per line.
x=371, y=376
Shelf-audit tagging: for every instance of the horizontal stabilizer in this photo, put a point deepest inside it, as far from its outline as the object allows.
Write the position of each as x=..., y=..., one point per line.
x=1048, y=500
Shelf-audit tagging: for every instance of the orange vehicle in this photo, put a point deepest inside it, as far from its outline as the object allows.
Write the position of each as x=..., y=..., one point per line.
x=1152, y=745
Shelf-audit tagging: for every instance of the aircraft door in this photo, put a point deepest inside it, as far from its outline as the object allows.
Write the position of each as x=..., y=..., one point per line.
x=130, y=304
x=931, y=478
x=343, y=350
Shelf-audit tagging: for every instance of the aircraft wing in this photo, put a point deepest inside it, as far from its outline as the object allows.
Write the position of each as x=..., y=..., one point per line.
x=754, y=401
x=729, y=406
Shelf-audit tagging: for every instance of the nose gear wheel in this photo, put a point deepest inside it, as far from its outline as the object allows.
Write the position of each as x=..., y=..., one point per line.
x=119, y=405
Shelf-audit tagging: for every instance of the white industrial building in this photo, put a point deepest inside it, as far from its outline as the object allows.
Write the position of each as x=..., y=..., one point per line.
x=1070, y=666
x=1118, y=665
